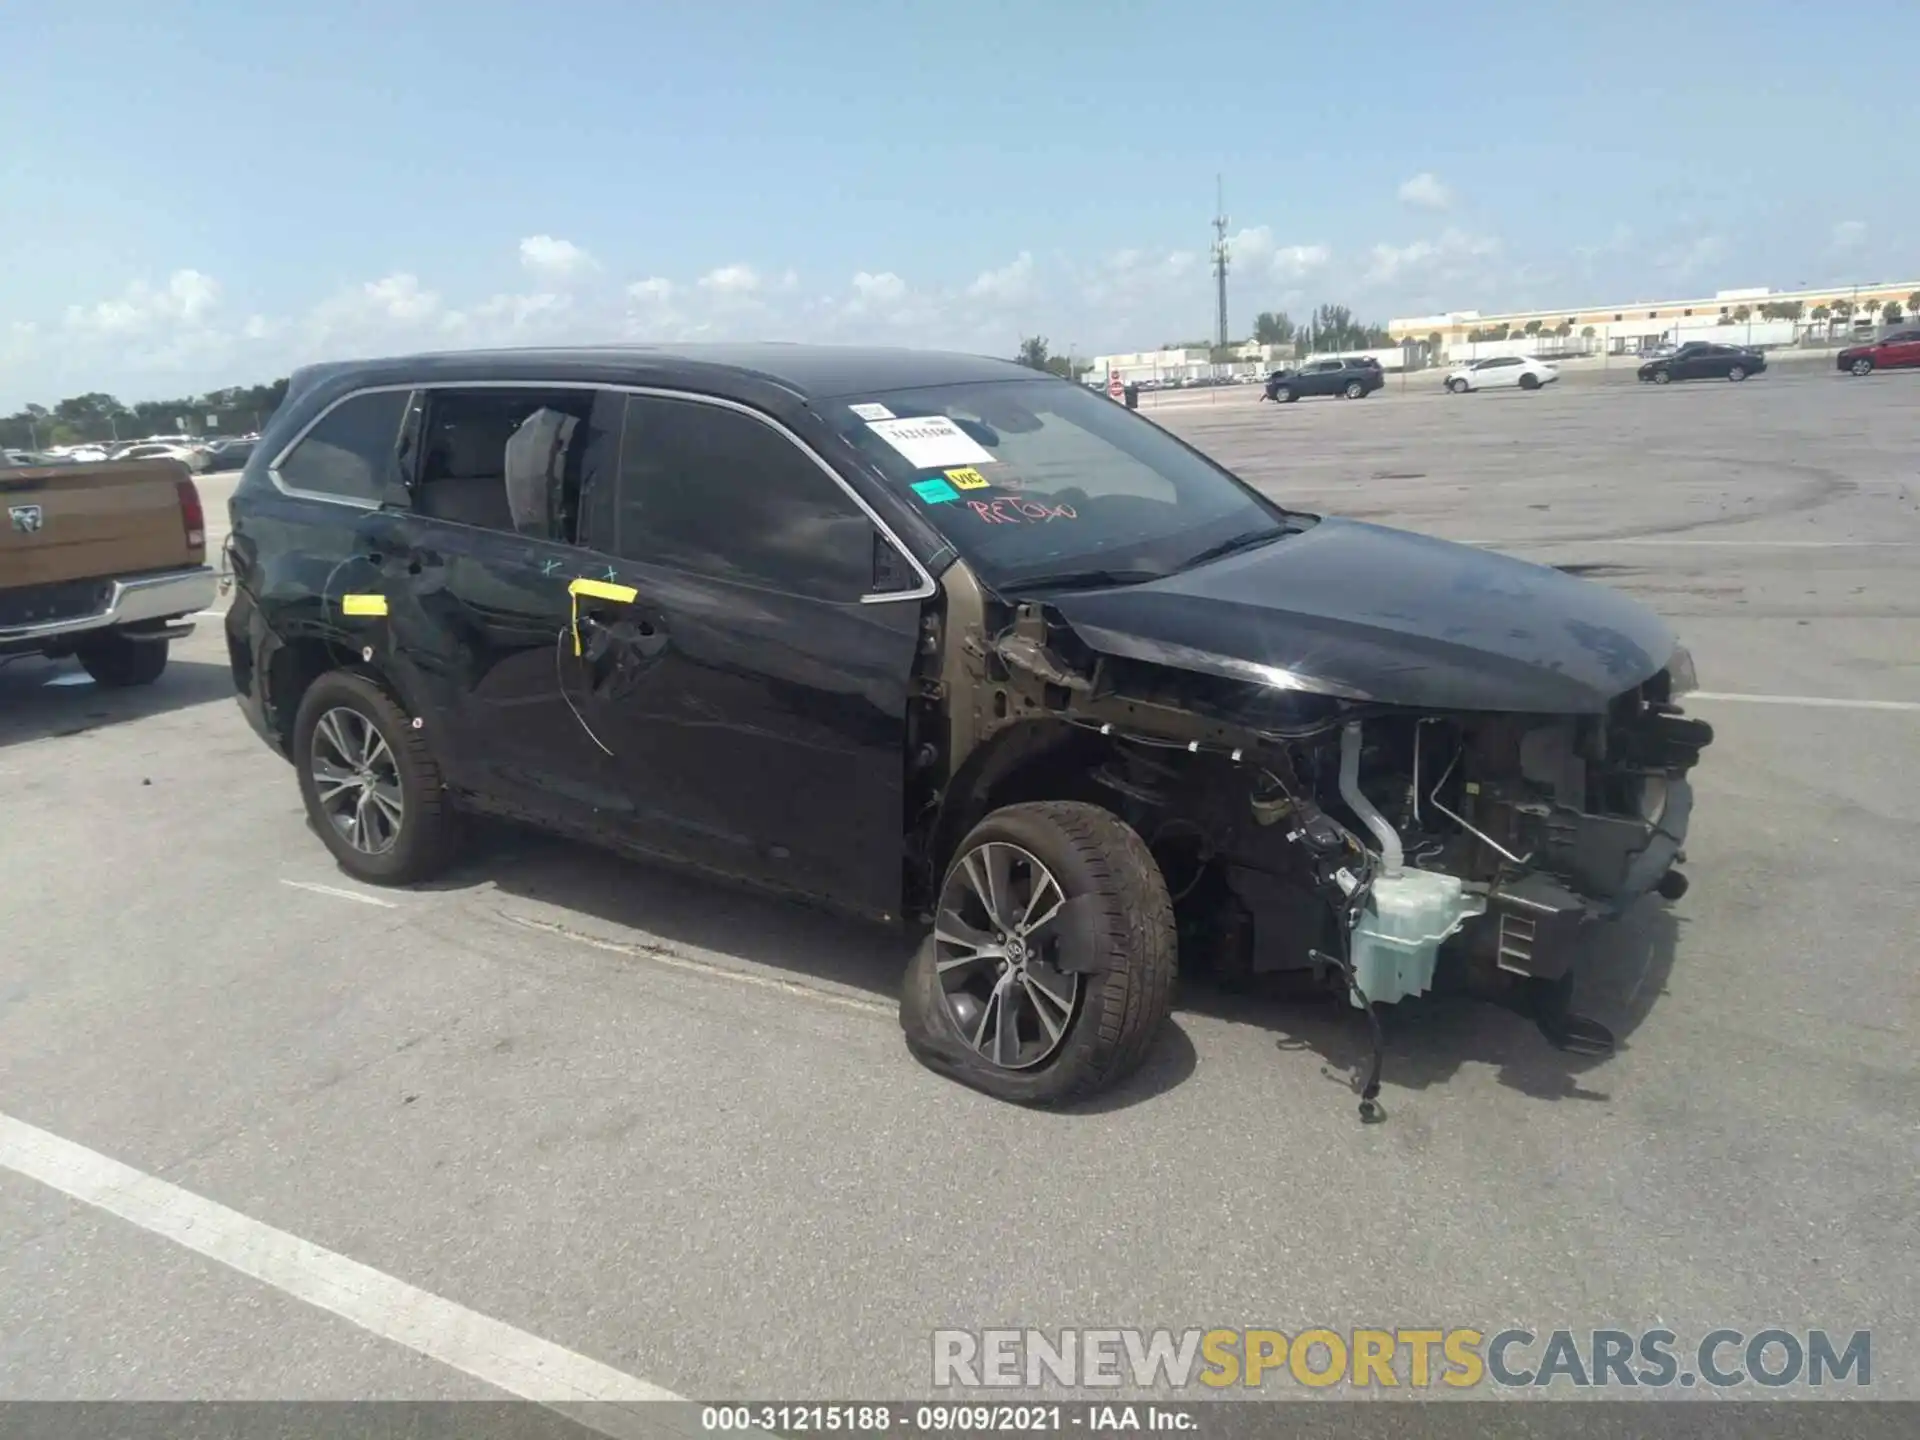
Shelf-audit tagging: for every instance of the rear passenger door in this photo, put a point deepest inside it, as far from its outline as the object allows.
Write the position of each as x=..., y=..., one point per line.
x=760, y=724
x=477, y=564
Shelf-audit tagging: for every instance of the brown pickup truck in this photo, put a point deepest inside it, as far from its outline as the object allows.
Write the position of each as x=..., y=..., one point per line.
x=102, y=562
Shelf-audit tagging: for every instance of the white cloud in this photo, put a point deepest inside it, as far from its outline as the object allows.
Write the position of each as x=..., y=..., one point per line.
x=1449, y=254
x=395, y=309
x=885, y=288
x=1425, y=192
x=654, y=290
x=731, y=280
x=1011, y=284
x=1253, y=253
x=1684, y=261
x=186, y=299
x=1848, y=235
x=555, y=259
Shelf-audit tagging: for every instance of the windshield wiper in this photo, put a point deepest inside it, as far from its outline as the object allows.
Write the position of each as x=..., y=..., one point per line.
x=1247, y=540
x=1082, y=580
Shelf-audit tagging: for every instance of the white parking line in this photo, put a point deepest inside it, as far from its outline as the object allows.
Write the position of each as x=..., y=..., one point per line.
x=1823, y=702
x=339, y=894
x=478, y=1345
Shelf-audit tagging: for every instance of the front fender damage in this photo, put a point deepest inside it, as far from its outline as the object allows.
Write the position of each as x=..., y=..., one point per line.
x=1379, y=850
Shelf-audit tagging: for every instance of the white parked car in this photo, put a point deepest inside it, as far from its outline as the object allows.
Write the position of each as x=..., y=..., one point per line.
x=1502, y=371
x=191, y=456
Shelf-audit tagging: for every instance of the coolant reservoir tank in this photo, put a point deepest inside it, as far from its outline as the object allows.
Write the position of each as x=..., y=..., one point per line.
x=1407, y=918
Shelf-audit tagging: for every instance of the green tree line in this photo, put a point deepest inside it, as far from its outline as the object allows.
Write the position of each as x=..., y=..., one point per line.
x=97, y=416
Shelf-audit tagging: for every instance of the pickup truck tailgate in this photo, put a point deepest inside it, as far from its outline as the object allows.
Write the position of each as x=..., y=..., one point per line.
x=81, y=522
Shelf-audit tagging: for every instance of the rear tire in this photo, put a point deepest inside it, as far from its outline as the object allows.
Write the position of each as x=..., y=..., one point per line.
x=1355, y=390
x=1862, y=366
x=120, y=663
x=421, y=840
x=1529, y=382
x=1113, y=1016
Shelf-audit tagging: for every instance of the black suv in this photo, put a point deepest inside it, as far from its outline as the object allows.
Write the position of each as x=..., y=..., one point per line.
x=1701, y=360
x=947, y=643
x=1352, y=379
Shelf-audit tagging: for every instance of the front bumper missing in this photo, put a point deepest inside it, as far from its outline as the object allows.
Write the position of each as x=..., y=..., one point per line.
x=1534, y=922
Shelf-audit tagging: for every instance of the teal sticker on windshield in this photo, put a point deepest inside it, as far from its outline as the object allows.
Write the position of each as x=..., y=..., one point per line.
x=935, y=492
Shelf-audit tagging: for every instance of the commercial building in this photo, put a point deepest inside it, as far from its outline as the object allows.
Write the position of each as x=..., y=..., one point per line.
x=1753, y=316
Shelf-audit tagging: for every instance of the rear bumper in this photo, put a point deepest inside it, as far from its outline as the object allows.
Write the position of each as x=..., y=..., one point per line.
x=146, y=600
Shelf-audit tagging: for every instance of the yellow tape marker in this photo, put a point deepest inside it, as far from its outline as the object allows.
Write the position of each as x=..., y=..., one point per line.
x=967, y=479
x=364, y=604
x=598, y=590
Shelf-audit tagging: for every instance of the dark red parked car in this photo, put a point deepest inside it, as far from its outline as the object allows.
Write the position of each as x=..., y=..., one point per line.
x=1898, y=351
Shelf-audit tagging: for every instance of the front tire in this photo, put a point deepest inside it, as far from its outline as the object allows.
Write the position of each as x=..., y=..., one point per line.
x=371, y=782
x=987, y=1001
x=1458, y=387
x=1284, y=394
x=1661, y=377
x=120, y=663
x=1862, y=366
x=1737, y=373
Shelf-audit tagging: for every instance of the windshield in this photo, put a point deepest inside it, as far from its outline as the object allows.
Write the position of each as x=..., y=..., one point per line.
x=1032, y=480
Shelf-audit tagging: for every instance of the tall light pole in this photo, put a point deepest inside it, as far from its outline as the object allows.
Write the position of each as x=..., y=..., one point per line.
x=1220, y=262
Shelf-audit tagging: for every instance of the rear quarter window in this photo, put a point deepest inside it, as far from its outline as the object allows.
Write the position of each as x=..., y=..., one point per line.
x=349, y=453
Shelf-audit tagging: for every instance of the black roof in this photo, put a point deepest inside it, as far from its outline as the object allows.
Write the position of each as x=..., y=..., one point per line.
x=813, y=372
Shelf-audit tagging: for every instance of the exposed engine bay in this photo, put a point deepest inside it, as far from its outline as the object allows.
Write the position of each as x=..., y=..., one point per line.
x=1356, y=841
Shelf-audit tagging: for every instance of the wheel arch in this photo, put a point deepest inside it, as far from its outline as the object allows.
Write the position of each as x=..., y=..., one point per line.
x=1035, y=759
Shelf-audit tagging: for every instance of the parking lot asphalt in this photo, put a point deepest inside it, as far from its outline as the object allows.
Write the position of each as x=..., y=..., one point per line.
x=675, y=1132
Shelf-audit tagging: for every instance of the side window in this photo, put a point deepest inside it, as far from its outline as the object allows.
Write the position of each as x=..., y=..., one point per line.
x=505, y=459
x=715, y=492
x=349, y=454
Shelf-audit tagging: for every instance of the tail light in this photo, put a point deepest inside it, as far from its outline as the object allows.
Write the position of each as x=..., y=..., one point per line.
x=192, y=517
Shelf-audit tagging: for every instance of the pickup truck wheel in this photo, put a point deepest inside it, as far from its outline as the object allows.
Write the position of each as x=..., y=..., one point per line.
x=119, y=663
x=370, y=781
x=988, y=1000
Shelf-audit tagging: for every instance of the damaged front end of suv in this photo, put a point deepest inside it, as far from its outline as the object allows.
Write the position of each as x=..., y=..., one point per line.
x=1358, y=753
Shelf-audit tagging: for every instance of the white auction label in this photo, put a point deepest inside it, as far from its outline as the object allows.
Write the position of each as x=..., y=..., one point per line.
x=870, y=411
x=931, y=442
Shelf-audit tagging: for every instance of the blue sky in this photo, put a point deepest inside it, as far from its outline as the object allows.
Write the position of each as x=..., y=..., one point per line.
x=205, y=192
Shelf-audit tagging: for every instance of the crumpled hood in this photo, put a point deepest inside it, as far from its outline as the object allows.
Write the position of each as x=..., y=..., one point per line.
x=1370, y=613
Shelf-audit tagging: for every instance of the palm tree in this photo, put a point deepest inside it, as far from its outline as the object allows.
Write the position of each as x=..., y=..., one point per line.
x=1742, y=313
x=1820, y=314
x=1913, y=303
x=1893, y=314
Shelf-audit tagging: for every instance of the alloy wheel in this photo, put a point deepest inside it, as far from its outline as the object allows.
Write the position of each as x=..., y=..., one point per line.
x=357, y=781
x=996, y=949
